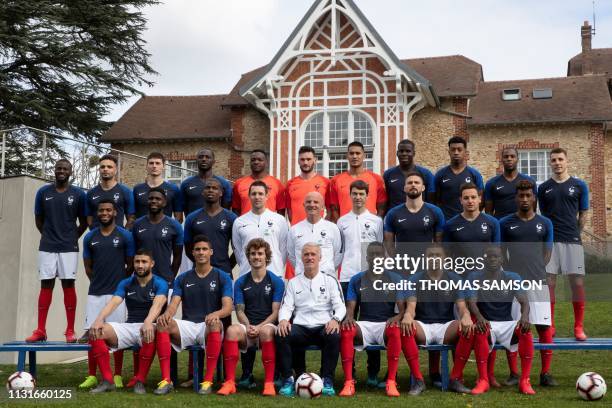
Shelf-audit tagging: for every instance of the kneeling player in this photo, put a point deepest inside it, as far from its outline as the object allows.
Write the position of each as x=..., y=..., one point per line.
x=206, y=295
x=430, y=319
x=378, y=323
x=492, y=311
x=257, y=296
x=145, y=296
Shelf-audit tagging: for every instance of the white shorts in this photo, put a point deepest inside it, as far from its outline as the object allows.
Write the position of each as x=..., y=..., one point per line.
x=373, y=334
x=95, y=304
x=566, y=258
x=191, y=333
x=502, y=333
x=539, y=307
x=128, y=335
x=250, y=341
x=434, y=332
x=62, y=265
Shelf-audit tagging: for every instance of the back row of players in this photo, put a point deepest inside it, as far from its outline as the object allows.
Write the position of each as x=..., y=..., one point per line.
x=355, y=199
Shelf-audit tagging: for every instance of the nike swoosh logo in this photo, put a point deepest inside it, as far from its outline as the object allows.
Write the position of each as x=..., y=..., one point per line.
x=192, y=187
x=514, y=227
x=297, y=293
x=95, y=197
x=499, y=187
x=48, y=198
x=130, y=293
x=401, y=220
x=200, y=222
x=94, y=243
x=189, y=285
x=393, y=180
x=445, y=180
x=245, y=289
x=245, y=225
x=299, y=236
x=548, y=191
x=142, y=230
x=360, y=289
x=140, y=194
x=460, y=228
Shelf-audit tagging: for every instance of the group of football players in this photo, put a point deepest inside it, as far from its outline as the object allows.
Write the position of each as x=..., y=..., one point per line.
x=159, y=259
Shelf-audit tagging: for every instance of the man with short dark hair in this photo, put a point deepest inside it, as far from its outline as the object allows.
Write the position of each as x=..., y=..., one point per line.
x=395, y=177
x=110, y=189
x=57, y=207
x=449, y=179
x=155, y=178
x=275, y=201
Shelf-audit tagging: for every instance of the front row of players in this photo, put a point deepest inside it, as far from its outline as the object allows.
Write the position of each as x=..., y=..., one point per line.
x=310, y=311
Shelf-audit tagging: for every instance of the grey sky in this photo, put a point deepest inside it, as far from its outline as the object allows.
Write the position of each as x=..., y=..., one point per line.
x=202, y=46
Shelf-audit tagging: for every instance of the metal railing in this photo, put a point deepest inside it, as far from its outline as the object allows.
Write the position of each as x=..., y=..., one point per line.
x=30, y=151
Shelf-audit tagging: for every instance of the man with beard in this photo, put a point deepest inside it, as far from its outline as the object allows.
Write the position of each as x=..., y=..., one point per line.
x=144, y=296
x=339, y=187
x=161, y=235
x=395, y=177
x=57, y=207
x=155, y=178
x=308, y=180
x=449, y=179
x=108, y=253
x=110, y=189
x=500, y=191
x=275, y=202
x=491, y=308
x=192, y=187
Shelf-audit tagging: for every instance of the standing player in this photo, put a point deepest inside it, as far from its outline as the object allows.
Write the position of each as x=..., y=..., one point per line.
x=57, y=207
x=339, y=187
x=500, y=191
x=492, y=312
x=310, y=313
x=308, y=180
x=469, y=230
x=145, y=296
x=206, y=296
x=110, y=189
x=155, y=178
x=449, y=179
x=315, y=229
x=430, y=319
x=378, y=322
x=257, y=297
x=565, y=200
x=260, y=222
x=259, y=172
x=395, y=177
x=161, y=235
x=192, y=187
x=527, y=240
x=108, y=253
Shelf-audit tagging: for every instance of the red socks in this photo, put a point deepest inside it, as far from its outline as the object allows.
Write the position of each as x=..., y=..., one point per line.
x=394, y=347
x=512, y=361
x=462, y=353
x=347, y=351
x=100, y=353
x=146, y=355
x=578, y=303
x=213, y=349
x=268, y=358
x=70, y=303
x=162, y=343
x=411, y=352
x=118, y=360
x=545, y=336
x=525, y=350
x=491, y=363
x=136, y=359
x=91, y=363
x=481, y=352
x=44, y=302
x=230, y=357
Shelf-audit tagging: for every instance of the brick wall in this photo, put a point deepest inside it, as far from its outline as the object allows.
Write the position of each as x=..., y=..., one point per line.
x=430, y=130
x=460, y=105
x=250, y=130
x=608, y=179
x=598, y=179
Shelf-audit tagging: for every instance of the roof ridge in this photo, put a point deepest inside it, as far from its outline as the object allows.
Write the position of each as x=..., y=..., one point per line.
x=545, y=79
x=185, y=96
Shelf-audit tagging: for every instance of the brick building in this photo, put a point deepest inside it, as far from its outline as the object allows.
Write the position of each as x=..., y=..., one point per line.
x=335, y=80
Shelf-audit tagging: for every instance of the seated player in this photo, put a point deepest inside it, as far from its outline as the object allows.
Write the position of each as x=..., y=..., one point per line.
x=430, y=319
x=310, y=313
x=492, y=312
x=378, y=322
x=145, y=296
x=206, y=296
x=257, y=297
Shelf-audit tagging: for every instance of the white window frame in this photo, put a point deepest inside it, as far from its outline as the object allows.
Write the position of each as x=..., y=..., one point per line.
x=546, y=166
x=326, y=151
x=184, y=164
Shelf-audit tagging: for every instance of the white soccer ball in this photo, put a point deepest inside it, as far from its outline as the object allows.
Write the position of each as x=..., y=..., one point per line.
x=20, y=380
x=309, y=385
x=591, y=386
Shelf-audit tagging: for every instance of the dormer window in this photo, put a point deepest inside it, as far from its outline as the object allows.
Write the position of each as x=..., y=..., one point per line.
x=511, y=94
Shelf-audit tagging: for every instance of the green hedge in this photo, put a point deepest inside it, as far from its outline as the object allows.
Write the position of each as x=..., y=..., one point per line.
x=597, y=264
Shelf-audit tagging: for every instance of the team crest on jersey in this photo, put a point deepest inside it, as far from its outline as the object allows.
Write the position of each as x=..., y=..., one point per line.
x=213, y=286
x=151, y=294
x=539, y=227
x=484, y=227
x=317, y=186
x=268, y=289
x=116, y=242
x=222, y=225
x=468, y=179
x=164, y=232
x=366, y=225
x=323, y=234
x=70, y=200
x=426, y=220
x=116, y=197
x=270, y=223
x=571, y=191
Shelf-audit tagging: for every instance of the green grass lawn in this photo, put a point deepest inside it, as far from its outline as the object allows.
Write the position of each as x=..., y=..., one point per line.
x=567, y=366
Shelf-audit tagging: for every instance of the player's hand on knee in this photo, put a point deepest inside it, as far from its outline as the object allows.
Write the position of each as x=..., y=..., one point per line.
x=147, y=332
x=212, y=318
x=284, y=328
x=348, y=323
x=523, y=325
x=96, y=331
x=163, y=321
x=332, y=327
x=393, y=321
x=407, y=325
x=466, y=326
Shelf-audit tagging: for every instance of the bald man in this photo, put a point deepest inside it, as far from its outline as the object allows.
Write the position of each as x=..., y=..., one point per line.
x=318, y=230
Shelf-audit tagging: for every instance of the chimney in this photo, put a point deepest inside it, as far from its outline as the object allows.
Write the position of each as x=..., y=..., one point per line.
x=585, y=33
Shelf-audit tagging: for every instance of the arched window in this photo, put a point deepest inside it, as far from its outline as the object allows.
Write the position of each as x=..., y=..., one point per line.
x=329, y=133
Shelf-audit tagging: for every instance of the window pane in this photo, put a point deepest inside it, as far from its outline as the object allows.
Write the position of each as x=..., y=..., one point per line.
x=362, y=129
x=313, y=134
x=337, y=163
x=175, y=170
x=338, y=128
